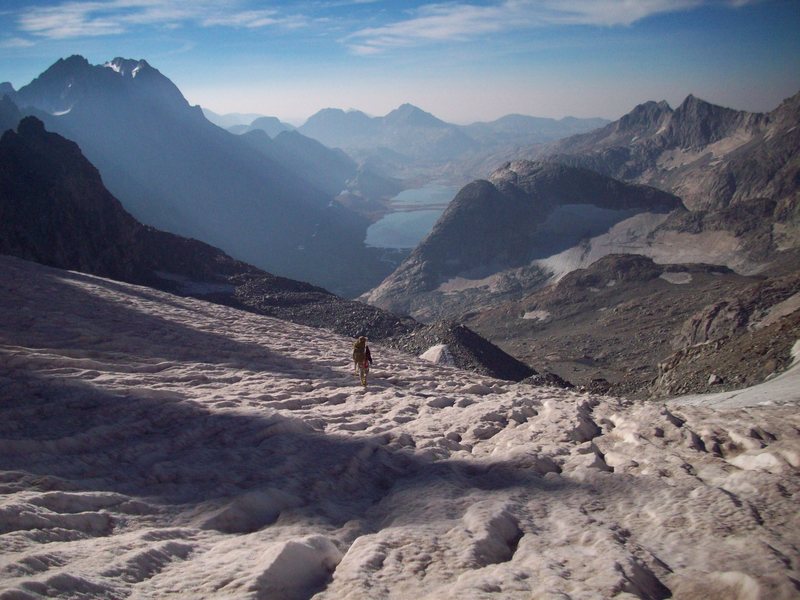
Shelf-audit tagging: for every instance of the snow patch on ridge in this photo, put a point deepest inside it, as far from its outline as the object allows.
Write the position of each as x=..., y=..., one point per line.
x=633, y=236
x=677, y=278
x=537, y=315
x=438, y=355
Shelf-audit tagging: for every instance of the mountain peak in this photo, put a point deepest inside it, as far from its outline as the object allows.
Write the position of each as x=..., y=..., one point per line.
x=75, y=60
x=692, y=102
x=645, y=116
x=65, y=67
x=697, y=123
x=408, y=114
x=127, y=67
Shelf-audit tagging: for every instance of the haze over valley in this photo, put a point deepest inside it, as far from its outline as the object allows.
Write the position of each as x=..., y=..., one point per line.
x=569, y=231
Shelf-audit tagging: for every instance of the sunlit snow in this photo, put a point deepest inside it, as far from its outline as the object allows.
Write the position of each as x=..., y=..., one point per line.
x=153, y=446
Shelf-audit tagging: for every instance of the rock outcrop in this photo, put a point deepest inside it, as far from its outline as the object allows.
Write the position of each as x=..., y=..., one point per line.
x=737, y=341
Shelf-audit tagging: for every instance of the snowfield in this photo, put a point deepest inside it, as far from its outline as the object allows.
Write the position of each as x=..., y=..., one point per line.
x=159, y=447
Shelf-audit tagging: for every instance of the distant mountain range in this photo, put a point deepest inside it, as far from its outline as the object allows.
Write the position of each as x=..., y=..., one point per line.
x=699, y=196
x=414, y=134
x=54, y=209
x=272, y=126
x=230, y=119
x=172, y=168
x=329, y=170
x=406, y=130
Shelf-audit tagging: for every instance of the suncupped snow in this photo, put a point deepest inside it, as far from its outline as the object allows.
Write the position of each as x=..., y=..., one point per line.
x=154, y=446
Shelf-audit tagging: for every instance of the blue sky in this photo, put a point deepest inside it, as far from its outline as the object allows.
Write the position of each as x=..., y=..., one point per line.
x=464, y=60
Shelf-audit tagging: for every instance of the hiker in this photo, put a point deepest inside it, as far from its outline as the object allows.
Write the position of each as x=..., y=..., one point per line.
x=362, y=358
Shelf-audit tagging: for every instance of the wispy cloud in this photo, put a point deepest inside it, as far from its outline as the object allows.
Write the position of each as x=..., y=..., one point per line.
x=16, y=42
x=459, y=21
x=99, y=18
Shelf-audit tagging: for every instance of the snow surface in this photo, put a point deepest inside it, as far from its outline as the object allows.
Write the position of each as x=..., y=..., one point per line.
x=153, y=446
x=639, y=235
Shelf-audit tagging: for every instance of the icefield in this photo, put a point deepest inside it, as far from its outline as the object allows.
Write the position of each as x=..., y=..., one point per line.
x=153, y=446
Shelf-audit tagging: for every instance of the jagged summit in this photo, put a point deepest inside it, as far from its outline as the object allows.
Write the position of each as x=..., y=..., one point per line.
x=73, y=83
x=71, y=62
x=711, y=156
x=696, y=123
x=127, y=67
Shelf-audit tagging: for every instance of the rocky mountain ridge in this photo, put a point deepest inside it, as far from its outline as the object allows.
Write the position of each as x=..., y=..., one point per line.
x=710, y=156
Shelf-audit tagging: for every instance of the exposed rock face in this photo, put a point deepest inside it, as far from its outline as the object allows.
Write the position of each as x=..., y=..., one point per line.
x=746, y=310
x=54, y=209
x=737, y=341
x=522, y=213
x=710, y=156
x=629, y=326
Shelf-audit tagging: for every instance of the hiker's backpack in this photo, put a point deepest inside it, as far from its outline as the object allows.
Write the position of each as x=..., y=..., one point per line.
x=359, y=351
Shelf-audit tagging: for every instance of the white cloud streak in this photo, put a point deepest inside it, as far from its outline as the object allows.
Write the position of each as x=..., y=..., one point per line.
x=16, y=42
x=460, y=21
x=96, y=18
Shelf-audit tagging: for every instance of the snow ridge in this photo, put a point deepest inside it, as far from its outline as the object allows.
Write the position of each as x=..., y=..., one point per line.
x=152, y=445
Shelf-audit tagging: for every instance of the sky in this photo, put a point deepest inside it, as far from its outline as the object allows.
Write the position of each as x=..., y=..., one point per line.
x=462, y=60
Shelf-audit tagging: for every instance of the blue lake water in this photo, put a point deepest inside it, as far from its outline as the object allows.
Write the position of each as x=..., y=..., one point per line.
x=414, y=214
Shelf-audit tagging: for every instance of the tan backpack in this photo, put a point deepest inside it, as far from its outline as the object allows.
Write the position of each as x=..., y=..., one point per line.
x=360, y=350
